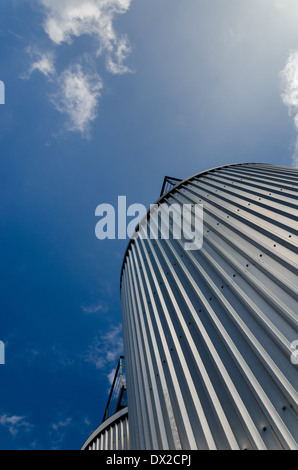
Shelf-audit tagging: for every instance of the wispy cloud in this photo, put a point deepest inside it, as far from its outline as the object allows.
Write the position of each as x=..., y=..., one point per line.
x=71, y=19
x=61, y=424
x=78, y=89
x=289, y=78
x=42, y=62
x=77, y=97
x=58, y=431
x=15, y=424
x=105, y=348
x=95, y=308
x=61, y=427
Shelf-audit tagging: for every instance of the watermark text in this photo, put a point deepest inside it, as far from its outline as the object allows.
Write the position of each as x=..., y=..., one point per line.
x=163, y=221
x=2, y=92
x=2, y=353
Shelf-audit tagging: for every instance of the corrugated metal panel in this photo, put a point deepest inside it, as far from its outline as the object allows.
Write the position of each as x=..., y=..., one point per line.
x=208, y=333
x=113, y=434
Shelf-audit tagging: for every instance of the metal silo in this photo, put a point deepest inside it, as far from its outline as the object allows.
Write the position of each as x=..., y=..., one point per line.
x=209, y=333
x=113, y=433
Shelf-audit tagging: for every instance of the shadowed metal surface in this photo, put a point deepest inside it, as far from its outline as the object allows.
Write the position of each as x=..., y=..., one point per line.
x=208, y=333
x=112, y=434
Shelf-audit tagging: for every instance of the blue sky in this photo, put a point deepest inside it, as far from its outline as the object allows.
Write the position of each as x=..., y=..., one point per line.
x=104, y=98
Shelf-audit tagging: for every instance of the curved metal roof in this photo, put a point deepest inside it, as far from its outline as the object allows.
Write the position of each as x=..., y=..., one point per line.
x=180, y=183
x=208, y=333
x=112, y=434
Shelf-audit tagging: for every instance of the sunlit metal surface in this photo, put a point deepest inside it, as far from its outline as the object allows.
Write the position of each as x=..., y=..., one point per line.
x=208, y=333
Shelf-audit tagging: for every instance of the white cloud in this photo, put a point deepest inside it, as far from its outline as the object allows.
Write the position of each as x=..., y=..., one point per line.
x=45, y=65
x=77, y=97
x=42, y=62
x=116, y=65
x=70, y=19
x=78, y=90
x=289, y=78
x=105, y=349
x=73, y=18
x=14, y=423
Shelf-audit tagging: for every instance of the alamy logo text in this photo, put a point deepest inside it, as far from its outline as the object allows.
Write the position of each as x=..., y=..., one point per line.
x=2, y=93
x=2, y=353
x=164, y=221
